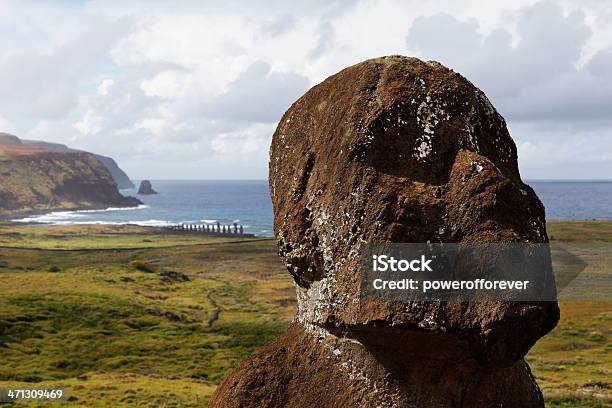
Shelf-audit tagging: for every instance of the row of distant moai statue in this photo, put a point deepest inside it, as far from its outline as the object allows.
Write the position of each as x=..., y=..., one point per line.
x=211, y=228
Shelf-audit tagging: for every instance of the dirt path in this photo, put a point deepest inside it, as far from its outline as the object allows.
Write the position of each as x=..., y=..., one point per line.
x=216, y=309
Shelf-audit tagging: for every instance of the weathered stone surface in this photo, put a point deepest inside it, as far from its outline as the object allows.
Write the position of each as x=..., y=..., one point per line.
x=304, y=368
x=394, y=149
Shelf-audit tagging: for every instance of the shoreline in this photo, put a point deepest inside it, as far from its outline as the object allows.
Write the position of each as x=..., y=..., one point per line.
x=14, y=219
x=37, y=218
x=29, y=213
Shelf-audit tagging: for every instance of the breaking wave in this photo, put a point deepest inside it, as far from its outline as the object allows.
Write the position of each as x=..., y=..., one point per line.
x=63, y=217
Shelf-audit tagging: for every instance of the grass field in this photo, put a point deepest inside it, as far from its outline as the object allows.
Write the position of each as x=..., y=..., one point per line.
x=573, y=363
x=98, y=237
x=123, y=316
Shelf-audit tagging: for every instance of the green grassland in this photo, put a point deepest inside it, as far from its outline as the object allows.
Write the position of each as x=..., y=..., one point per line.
x=85, y=237
x=125, y=327
x=573, y=363
x=130, y=316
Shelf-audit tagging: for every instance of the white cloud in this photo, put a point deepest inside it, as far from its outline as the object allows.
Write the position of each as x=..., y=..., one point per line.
x=558, y=106
x=555, y=151
x=6, y=126
x=105, y=86
x=194, y=89
x=154, y=125
x=90, y=124
x=245, y=145
x=257, y=95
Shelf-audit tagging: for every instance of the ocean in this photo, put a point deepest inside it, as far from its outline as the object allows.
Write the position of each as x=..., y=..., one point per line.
x=248, y=203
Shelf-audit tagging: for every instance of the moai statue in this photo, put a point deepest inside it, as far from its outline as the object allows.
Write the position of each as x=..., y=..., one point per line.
x=393, y=150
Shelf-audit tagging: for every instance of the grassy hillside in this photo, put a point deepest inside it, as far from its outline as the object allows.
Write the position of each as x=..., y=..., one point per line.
x=3, y=155
x=127, y=327
x=125, y=316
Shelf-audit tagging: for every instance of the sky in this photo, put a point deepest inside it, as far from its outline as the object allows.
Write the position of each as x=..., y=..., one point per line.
x=194, y=89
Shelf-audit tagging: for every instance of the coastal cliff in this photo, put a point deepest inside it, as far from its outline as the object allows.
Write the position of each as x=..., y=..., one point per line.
x=122, y=179
x=38, y=177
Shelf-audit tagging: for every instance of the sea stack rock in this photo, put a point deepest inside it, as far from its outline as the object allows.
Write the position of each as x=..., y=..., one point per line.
x=393, y=149
x=146, y=188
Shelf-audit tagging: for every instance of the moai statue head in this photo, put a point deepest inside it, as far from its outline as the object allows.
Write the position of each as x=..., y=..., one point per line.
x=395, y=149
